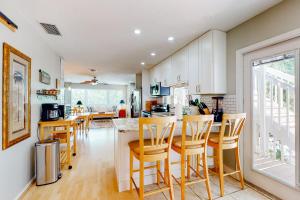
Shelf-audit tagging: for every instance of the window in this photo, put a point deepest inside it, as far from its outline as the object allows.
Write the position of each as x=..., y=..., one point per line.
x=180, y=96
x=97, y=97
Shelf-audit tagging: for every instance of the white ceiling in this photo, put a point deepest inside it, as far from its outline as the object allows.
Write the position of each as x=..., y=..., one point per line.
x=99, y=33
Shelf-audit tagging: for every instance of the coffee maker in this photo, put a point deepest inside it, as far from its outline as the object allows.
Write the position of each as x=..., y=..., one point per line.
x=217, y=109
x=50, y=112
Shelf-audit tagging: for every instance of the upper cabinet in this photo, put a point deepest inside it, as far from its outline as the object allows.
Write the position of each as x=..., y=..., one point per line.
x=166, y=68
x=155, y=74
x=201, y=65
x=179, y=72
x=193, y=67
x=212, y=63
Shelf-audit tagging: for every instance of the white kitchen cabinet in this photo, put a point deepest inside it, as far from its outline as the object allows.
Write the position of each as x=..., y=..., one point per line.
x=179, y=67
x=155, y=74
x=201, y=64
x=212, y=63
x=165, y=70
x=193, y=67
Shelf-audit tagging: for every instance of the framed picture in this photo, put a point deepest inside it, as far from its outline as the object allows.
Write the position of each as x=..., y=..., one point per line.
x=16, y=125
x=45, y=77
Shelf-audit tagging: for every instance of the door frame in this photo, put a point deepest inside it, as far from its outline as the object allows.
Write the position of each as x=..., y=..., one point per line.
x=288, y=192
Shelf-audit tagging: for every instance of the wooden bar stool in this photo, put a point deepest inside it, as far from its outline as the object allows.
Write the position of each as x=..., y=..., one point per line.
x=228, y=138
x=155, y=149
x=194, y=143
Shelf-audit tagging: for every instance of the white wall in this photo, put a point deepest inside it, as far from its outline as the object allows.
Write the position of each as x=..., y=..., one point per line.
x=17, y=162
x=145, y=87
x=279, y=19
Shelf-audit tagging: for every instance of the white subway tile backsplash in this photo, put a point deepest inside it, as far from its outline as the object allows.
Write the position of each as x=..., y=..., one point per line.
x=229, y=102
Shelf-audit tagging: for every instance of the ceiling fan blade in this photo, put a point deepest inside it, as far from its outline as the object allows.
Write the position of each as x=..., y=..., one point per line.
x=86, y=82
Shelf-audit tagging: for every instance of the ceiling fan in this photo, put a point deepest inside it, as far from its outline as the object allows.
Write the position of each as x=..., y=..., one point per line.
x=94, y=80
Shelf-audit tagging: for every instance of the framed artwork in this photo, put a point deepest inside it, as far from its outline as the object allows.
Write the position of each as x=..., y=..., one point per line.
x=16, y=125
x=44, y=77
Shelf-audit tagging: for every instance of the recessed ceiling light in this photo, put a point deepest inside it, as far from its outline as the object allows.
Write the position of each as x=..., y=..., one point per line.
x=153, y=54
x=137, y=31
x=142, y=63
x=171, y=38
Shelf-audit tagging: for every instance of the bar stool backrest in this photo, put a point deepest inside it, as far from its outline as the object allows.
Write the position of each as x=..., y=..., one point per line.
x=232, y=125
x=198, y=127
x=160, y=130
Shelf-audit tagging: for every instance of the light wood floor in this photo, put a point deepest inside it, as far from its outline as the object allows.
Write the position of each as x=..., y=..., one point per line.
x=93, y=177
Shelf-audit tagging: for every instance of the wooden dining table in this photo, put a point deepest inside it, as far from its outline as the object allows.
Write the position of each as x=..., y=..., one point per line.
x=102, y=115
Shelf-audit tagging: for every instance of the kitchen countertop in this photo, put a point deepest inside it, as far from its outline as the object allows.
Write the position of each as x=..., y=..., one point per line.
x=132, y=124
x=126, y=124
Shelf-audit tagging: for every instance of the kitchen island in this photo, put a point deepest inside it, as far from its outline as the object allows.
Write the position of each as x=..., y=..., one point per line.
x=126, y=130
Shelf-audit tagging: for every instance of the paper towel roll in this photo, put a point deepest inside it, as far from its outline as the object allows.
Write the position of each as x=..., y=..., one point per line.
x=178, y=111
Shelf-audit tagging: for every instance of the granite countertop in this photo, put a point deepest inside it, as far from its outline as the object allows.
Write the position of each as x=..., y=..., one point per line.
x=126, y=124
x=132, y=124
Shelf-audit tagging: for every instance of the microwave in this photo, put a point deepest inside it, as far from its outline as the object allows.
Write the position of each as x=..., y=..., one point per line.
x=158, y=90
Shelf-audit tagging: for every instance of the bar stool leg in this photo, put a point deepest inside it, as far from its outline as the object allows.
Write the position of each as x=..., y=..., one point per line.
x=170, y=182
x=131, y=170
x=188, y=166
x=157, y=170
x=182, y=186
x=206, y=175
x=198, y=164
x=166, y=178
x=238, y=166
x=216, y=159
x=141, y=189
x=221, y=172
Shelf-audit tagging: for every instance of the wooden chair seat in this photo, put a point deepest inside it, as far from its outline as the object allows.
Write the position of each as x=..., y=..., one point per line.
x=189, y=143
x=215, y=139
x=135, y=147
x=227, y=143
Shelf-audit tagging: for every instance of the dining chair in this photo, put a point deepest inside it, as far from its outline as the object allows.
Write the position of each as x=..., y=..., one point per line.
x=228, y=138
x=80, y=121
x=155, y=149
x=193, y=142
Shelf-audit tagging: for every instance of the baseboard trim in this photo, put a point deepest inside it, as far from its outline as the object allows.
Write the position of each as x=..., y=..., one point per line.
x=25, y=189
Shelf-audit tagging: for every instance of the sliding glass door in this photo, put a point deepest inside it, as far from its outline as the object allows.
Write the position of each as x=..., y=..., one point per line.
x=271, y=100
x=273, y=108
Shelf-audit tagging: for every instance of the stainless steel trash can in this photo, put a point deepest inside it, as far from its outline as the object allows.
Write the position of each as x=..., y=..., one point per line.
x=47, y=162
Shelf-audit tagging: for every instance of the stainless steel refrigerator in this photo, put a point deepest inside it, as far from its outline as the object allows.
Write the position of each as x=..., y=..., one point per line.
x=135, y=103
